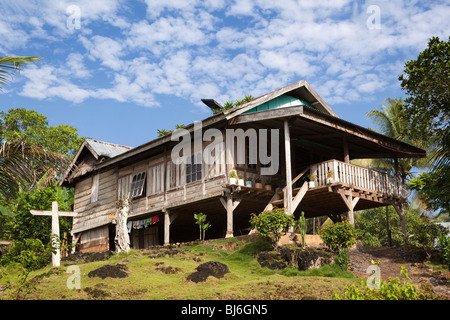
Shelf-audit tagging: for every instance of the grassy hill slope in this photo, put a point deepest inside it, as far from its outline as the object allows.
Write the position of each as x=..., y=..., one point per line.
x=161, y=274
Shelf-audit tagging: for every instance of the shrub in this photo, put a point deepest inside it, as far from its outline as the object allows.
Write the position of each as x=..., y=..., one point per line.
x=342, y=259
x=444, y=248
x=31, y=254
x=272, y=224
x=393, y=289
x=338, y=236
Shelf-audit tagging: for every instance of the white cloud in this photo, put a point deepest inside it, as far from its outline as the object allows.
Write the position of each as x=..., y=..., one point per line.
x=76, y=66
x=105, y=49
x=216, y=49
x=49, y=82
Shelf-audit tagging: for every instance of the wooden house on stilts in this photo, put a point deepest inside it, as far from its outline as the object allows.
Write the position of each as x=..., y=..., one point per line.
x=289, y=136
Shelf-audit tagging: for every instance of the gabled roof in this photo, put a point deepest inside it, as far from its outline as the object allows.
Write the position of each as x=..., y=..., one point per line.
x=300, y=90
x=312, y=120
x=104, y=149
x=90, y=148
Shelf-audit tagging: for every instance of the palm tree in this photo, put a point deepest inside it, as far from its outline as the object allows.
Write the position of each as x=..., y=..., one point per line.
x=24, y=165
x=392, y=122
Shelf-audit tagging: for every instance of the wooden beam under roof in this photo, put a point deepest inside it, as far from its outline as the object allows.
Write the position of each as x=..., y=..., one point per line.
x=324, y=122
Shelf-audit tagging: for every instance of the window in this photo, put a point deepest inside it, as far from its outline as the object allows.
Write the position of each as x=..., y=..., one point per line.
x=194, y=169
x=137, y=185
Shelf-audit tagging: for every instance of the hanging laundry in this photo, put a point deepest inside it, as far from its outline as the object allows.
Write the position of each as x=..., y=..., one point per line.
x=129, y=225
x=155, y=219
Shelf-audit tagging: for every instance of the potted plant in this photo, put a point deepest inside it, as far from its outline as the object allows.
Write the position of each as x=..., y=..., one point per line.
x=233, y=177
x=241, y=180
x=258, y=184
x=248, y=181
x=311, y=178
x=330, y=175
x=268, y=184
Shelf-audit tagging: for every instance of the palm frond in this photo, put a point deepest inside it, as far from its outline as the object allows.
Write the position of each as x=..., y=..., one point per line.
x=8, y=65
x=23, y=165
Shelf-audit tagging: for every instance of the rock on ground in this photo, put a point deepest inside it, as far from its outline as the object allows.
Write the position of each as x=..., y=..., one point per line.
x=210, y=268
x=113, y=271
x=302, y=258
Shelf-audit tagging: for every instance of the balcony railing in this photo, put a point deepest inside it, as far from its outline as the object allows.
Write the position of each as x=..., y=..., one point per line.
x=334, y=171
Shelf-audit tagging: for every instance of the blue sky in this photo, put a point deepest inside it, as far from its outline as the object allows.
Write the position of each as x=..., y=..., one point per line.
x=119, y=70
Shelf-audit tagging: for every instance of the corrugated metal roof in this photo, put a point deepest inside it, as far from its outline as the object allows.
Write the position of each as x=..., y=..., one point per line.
x=106, y=149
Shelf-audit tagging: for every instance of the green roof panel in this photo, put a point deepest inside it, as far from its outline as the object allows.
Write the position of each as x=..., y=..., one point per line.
x=283, y=101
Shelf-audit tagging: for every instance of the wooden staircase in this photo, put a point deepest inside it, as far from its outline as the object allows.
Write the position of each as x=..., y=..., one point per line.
x=280, y=198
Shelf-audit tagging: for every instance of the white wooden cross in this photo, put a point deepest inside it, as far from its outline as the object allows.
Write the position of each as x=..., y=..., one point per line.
x=56, y=257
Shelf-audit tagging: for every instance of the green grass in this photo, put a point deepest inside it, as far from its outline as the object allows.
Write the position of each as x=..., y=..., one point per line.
x=247, y=280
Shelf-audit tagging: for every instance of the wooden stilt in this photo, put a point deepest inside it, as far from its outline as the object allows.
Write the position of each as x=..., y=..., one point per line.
x=229, y=206
x=350, y=202
x=287, y=148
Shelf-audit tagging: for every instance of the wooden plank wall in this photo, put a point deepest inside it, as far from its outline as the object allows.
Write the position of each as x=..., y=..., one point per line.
x=165, y=186
x=94, y=213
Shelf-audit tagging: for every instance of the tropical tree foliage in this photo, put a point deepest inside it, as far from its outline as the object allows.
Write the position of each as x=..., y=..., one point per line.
x=23, y=165
x=229, y=104
x=371, y=227
x=391, y=121
x=22, y=225
x=426, y=81
x=22, y=125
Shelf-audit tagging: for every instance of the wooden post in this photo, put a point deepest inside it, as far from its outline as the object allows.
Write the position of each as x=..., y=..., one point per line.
x=56, y=257
x=230, y=210
x=287, y=149
x=229, y=206
x=350, y=202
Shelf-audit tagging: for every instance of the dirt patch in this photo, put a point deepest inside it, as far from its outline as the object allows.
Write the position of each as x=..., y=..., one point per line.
x=390, y=261
x=96, y=293
x=169, y=269
x=210, y=268
x=112, y=271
